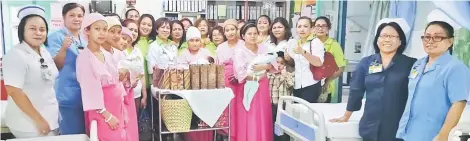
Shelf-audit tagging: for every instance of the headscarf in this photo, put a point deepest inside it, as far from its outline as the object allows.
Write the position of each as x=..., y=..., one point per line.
x=230, y=22
x=91, y=18
x=112, y=21
x=193, y=32
x=126, y=31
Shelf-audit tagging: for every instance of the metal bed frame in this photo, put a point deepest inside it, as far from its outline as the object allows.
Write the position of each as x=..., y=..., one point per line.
x=298, y=130
x=160, y=94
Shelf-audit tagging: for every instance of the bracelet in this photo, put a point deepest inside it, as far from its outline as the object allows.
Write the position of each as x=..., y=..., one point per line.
x=101, y=111
x=109, y=118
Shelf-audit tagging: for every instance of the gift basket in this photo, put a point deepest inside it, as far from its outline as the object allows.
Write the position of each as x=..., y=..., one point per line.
x=176, y=114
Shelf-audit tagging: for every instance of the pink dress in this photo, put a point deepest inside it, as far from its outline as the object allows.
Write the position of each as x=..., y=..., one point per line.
x=188, y=58
x=131, y=125
x=224, y=55
x=255, y=124
x=101, y=88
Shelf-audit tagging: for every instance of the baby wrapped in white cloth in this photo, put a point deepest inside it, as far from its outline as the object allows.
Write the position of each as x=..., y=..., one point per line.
x=251, y=86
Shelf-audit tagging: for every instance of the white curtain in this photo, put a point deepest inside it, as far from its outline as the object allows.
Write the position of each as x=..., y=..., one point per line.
x=380, y=10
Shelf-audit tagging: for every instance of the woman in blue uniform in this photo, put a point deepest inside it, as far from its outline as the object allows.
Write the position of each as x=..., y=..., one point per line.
x=64, y=46
x=384, y=78
x=438, y=88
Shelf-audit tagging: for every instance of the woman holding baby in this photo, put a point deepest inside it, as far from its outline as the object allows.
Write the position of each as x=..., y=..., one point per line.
x=254, y=122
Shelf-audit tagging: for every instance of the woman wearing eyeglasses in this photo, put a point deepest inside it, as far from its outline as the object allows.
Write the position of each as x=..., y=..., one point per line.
x=29, y=73
x=64, y=46
x=438, y=88
x=383, y=78
x=322, y=27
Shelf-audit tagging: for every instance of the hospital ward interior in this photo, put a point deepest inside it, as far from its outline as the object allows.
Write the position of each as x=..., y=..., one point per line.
x=235, y=70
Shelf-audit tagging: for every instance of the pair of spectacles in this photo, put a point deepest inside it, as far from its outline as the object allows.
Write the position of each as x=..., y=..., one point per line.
x=434, y=38
x=43, y=64
x=321, y=26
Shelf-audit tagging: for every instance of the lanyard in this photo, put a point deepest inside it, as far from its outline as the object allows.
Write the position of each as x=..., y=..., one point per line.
x=79, y=44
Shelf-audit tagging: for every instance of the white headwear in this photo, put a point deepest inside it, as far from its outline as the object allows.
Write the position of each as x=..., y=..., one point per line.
x=31, y=10
x=91, y=18
x=438, y=15
x=193, y=32
x=112, y=21
x=400, y=21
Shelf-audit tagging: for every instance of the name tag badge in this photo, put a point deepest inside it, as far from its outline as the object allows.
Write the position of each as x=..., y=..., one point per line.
x=375, y=68
x=413, y=73
x=46, y=73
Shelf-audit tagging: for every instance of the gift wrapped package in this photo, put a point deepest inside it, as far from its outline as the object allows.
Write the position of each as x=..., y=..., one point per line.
x=212, y=76
x=186, y=79
x=176, y=79
x=220, y=76
x=157, y=77
x=195, y=76
x=204, y=76
x=165, y=82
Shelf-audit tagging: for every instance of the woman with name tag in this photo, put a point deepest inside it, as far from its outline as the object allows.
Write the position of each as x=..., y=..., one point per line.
x=64, y=45
x=438, y=88
x=383, y=77
x=29, y=75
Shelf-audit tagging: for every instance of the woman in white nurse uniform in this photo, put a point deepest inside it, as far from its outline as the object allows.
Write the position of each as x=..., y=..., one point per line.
x=29, y=75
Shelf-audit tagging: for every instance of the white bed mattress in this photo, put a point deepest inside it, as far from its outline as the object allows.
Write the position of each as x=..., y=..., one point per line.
x=80, y=137
x=3, y=105
x=348, y=130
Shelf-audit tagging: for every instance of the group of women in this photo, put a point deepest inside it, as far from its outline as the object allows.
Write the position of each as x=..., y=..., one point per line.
x=97, y=68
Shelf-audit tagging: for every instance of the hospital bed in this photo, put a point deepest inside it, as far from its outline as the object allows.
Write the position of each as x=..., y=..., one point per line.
x=79, y=137
x=304, y=121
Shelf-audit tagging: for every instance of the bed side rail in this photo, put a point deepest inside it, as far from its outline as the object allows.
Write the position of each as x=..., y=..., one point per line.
x=289, y=121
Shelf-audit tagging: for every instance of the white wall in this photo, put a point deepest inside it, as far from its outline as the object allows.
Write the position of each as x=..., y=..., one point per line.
x=357, y=22
x=359, y=13
x=415, y=49
x=153, y=7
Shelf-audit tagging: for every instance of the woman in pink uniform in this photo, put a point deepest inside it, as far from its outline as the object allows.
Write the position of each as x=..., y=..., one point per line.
x=224, y=54
x=133, y=62
x=102, y=91
x=254, y=119
x=195, y=53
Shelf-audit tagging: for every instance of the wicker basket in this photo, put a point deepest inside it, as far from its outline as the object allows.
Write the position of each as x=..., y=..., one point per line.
x=176, y=115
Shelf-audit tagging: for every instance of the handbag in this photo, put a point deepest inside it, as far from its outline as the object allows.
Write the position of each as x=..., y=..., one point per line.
x=327, y=69
x=145, y=128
